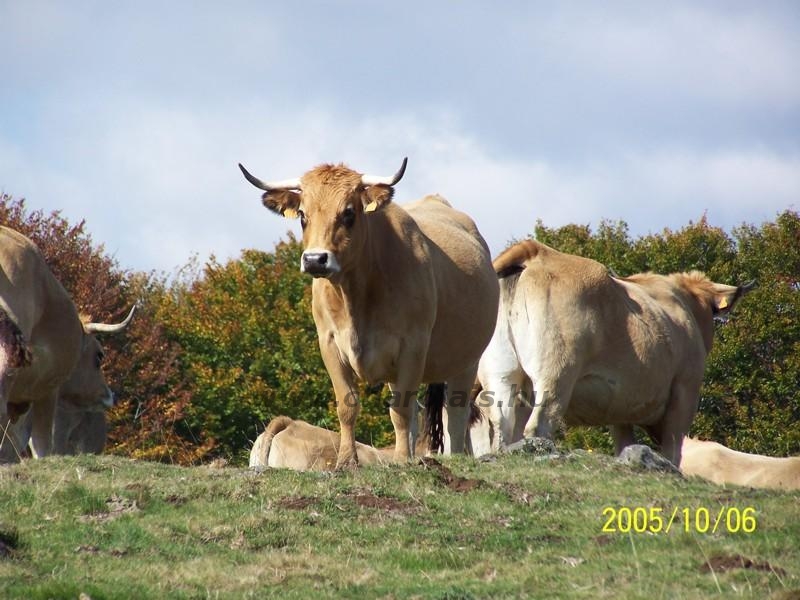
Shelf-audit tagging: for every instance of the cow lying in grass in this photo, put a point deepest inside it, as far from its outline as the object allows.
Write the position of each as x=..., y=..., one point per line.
x=598, y=349
x=708, y=460
x=721, y=465
x=300, y=446
x=293, y=444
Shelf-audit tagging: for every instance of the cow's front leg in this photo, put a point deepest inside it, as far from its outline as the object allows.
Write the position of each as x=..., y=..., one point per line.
x=11, y=448
x=42, y=414
x=347, y=404
x=347, y=407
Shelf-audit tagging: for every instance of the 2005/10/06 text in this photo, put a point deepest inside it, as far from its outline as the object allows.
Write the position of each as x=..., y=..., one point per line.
x=654, y=519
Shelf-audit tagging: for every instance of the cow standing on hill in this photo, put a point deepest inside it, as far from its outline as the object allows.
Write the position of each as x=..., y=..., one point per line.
x=46, y=351
x=404, y=295
x=598, y=349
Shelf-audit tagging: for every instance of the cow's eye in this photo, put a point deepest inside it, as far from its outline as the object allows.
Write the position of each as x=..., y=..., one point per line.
x=303, y=220
x=349, y=216
x=98, y=360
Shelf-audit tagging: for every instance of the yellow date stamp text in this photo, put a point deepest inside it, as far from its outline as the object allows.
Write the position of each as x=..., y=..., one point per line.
x=655, y=519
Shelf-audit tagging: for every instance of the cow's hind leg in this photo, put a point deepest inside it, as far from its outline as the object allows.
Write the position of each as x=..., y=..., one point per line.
x=502, y=395
x=677, y=420
x=623, y=437
x=459, y=392
x=403, y=411
x=551, y=399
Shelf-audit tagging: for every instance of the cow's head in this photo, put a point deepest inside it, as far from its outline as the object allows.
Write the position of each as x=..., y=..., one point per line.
x=332, y=202
x=87, y=385
x=712, y=301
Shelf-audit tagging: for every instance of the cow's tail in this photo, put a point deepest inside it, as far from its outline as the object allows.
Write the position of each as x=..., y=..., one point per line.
x=513, y=260
x=434, y=426
x=475, y=414
x=259, y=455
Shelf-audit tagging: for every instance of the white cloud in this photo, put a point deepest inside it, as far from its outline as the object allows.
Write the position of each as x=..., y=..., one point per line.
x=135, y=118
x=727, y=57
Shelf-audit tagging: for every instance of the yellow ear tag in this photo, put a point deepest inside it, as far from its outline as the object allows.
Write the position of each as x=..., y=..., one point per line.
x=290, y=213
x=723, y=303
x=371, y=207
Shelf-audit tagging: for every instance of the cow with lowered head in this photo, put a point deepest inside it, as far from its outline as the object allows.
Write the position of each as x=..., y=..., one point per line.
x=598, y=349
x=403, y=295
x=46, y=351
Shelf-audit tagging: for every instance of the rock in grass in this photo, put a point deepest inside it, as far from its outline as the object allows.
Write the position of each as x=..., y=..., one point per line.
x=538, y=446
x=642, y=457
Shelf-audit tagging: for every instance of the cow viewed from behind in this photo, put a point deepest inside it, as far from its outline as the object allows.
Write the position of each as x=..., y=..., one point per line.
x=403, y=295
x=598, y=349
x=46, y=350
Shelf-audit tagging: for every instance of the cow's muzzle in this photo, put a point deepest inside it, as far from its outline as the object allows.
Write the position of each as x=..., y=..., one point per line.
x=319, y=263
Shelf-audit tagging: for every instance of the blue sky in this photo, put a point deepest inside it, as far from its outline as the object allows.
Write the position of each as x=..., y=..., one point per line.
x=134, y=115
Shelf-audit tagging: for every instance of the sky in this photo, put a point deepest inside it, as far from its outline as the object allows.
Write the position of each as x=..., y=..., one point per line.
x=134, y=115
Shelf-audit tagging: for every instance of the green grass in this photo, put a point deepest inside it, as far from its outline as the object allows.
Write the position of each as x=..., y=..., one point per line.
x=518, y=527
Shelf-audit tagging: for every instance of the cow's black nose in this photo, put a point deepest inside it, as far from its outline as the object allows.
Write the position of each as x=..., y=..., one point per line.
x=315, y=259
x=318, y=263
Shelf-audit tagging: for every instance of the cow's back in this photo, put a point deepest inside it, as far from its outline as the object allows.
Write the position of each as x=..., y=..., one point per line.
x=466, y=286
x=23, y=280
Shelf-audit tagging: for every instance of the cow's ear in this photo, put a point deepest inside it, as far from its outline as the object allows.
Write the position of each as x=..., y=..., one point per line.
x=726, y=296
x=377, y=196
x=283, y=202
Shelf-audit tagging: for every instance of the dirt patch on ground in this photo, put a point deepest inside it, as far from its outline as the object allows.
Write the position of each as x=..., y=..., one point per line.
x=726, y=562
x=5, y=550
x=9, y=542
x=448, y=479
x=365, y=499
x=175, y=500
x=296, y=502
x=116, y=507
x=360, y=497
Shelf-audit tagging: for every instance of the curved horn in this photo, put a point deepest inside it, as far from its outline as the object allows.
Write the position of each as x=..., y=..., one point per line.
x=373, y=180
x=106, y=328
x=268, y=186
x=749, y=286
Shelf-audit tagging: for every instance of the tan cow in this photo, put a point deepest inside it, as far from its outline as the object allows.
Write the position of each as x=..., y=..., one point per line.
x=291, y=444
x=600, y=350
x=53, y=353
x=404, y=295
x=721, y=465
